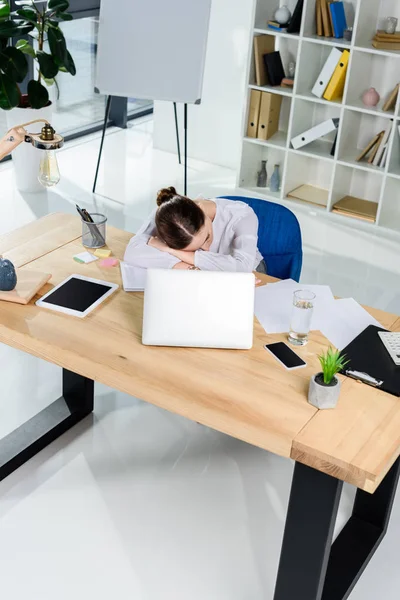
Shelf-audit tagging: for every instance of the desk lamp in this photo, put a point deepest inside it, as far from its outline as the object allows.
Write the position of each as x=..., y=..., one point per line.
x=47, y=140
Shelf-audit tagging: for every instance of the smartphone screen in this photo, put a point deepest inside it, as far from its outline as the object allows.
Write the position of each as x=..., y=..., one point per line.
x=285, y=355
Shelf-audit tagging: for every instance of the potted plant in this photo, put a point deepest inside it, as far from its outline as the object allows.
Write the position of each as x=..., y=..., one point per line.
x=46, y=47
x=324, y=387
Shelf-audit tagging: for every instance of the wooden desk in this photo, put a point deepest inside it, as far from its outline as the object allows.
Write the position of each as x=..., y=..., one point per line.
x=245, y=394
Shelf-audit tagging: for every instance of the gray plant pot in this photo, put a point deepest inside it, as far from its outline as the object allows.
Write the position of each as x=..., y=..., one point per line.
x=323, y=396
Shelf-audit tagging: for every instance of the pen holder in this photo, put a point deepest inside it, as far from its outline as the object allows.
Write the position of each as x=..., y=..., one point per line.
x=94, y=234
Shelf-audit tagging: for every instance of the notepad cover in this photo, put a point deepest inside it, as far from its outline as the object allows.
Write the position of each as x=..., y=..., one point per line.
x=367, y=354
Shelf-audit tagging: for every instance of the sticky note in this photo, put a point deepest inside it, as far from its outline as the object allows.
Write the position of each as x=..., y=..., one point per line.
x=85, y=257
x=109, y=262
x=102, y=252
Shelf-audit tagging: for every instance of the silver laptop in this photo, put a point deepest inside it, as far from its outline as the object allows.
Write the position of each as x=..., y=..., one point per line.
x=203, y=309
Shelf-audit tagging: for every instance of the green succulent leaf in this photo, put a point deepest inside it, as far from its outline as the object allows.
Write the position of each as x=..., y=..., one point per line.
x=27, y=13
x=49, y=82
x=331, y=363
x=4, y=10
x=58, y=47
x=9, y=93
x=58, y=5
x=47, y=65
x=25, y=47
x=14, y=28
x=13, y=63
x=37, y=94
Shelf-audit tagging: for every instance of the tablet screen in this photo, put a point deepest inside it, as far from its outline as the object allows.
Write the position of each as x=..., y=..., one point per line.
x=77, y=294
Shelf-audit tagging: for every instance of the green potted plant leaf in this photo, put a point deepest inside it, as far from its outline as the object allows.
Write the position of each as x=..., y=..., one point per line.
x=324, y=387
x=46, y=46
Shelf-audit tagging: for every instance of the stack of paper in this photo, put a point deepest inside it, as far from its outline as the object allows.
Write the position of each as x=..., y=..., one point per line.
x=340, y=321
x=273, y=304
x=133, y=278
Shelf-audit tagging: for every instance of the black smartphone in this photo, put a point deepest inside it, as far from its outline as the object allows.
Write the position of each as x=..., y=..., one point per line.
x=285, y=355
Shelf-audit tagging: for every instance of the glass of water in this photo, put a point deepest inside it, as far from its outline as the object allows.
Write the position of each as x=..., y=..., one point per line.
x=300, y=322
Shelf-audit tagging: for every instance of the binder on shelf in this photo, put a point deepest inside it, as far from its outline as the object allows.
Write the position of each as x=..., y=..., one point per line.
x=318, y=15
x=368, y=356
x=383, y=143
x=326, y=73
x=254, y=113
x=325, y=18
x=356, y=207
x=295, y=21
x=335, y=88
x=330, y=17
x=339, y=23
x=274, y=68
x=391, y=101
x=268, y=122
x=263, y=44
x=314, y=133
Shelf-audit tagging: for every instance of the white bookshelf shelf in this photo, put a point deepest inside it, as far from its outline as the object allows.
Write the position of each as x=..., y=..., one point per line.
x=273, y=89
x=313, y=164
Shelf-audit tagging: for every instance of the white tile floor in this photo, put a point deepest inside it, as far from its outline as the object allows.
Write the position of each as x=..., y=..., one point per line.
x=134, y=502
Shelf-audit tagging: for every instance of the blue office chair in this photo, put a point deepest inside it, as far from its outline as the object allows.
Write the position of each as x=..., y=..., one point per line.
x=279, y=237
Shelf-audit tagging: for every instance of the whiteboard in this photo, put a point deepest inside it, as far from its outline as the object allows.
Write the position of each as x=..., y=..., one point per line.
x=152, y=49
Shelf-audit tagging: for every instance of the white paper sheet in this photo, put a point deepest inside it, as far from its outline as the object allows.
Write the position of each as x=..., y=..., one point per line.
x=133, y=278
x=345, y=322
x=273, y=304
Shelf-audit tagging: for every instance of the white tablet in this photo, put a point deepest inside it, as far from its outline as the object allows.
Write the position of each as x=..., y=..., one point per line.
x=77, y=295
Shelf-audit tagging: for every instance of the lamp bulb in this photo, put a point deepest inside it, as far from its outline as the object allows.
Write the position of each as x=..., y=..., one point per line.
x=49, y=173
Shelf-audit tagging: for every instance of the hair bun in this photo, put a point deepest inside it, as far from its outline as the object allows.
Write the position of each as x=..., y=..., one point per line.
x=165, y=195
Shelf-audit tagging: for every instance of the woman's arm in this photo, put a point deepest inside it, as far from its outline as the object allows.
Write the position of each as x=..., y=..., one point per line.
x=11, y=140
x=244, y=250
x=141, y=253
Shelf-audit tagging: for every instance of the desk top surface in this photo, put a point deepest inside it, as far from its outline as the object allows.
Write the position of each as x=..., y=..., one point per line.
x=245, y=394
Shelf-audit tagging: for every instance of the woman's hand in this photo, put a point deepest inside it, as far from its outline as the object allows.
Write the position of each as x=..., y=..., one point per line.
x=181, y=265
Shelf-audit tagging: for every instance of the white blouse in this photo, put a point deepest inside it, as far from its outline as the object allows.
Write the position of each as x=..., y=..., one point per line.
x=234, y=245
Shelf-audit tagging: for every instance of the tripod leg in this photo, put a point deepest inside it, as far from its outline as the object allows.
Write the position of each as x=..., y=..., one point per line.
x=185, y=127
x=178, y=145
x=108, y=106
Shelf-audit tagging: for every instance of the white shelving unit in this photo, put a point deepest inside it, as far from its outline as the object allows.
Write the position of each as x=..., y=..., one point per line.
x=340, y=174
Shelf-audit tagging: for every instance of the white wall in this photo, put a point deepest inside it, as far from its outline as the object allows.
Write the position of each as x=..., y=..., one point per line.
x=215, y=126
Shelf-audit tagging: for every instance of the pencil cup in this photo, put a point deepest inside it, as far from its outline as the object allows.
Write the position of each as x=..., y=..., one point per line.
x=94, y=234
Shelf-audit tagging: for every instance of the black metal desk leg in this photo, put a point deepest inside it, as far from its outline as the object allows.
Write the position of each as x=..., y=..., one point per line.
x=54, y=420
x=313, y=505
x=310, y=567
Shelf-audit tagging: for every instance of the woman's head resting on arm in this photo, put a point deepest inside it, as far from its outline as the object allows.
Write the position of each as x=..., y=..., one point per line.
x=181, y=223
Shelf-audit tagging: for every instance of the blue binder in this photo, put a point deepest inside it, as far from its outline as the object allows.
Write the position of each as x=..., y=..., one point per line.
x=338, y=18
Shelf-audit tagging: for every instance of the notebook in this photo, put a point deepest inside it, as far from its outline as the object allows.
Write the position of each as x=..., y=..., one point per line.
x=133, y=278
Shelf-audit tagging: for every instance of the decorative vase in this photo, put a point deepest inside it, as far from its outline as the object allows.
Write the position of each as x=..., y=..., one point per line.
x=8, y=276
x=26, y=159
x=282, y=15
x=321, y=395
x=262, y=175
x=371, y=97
x=275, y=181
